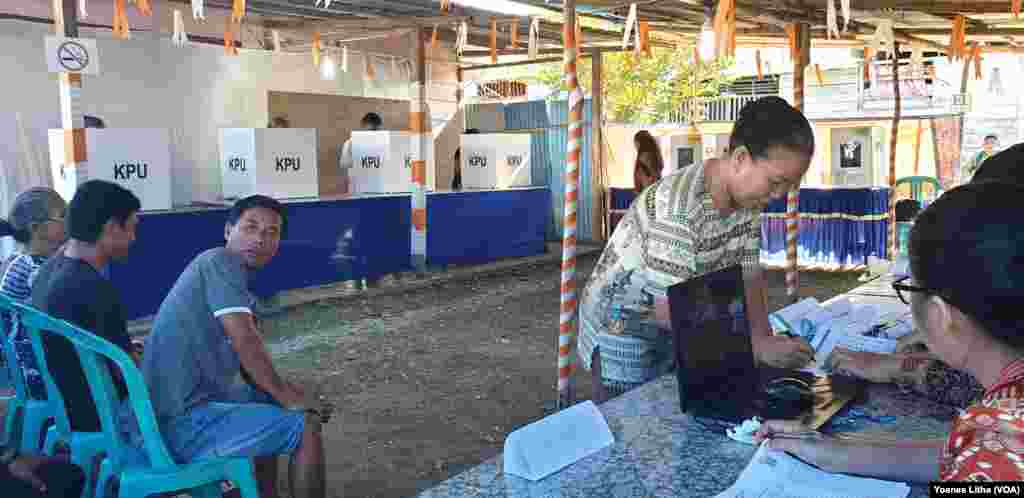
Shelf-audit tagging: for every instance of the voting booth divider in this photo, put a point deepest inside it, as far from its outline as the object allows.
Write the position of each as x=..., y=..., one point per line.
x=382, y=162
x=276, y=162
x=138, y=159
x=496, y=161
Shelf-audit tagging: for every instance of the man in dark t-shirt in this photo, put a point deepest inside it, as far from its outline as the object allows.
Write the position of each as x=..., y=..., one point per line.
x=101, y=221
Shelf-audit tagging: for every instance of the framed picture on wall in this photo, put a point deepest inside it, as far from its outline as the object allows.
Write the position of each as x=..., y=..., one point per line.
x=685, y=157
x=850, y=155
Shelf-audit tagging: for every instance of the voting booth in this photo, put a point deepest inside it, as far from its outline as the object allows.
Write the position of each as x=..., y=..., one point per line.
x=276, y=162
x=496, y=161
x=382, y=161
x=138, y=159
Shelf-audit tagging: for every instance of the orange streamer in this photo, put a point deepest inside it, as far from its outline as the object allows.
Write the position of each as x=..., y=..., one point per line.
x=434, y=41
x=237, y=10
x=817, y=72
x=757, y=58
x=515, y=35
x=316, y=49
x=976, y=55
x=144, y=7
x=229, y=38
x=494, y=41
x=445, y=7
x=120, y=24
x=1015, y=8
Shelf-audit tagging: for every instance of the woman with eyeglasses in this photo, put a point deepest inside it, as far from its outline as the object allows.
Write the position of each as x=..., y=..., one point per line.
x=36, y=222
x=965, y=294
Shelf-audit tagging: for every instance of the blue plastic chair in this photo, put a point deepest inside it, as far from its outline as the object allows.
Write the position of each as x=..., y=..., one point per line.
x=26, y=417
x=917, y=186
x=153, y=471
x=85, y=447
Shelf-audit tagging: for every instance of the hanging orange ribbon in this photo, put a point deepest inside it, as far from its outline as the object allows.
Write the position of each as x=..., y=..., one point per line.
x=514, y=31
x=696, y=56
x=958, y=39
x=791, y=34
x=371, y=72
x=1015, y=8
x=445, y=7
x=976, y=55
x=868, y=54
x=645, y=38
x=725, y=28
x=229, y=38
x=316, y=49
x=494, y=41
x=757, y=59
x=817, y=72
x=144, y=7
x=120, y=22
x=434, y=41
x=579, y=36
x=237, y=10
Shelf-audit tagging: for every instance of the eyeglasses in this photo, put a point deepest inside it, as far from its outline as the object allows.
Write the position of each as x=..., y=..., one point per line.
x=900, y=286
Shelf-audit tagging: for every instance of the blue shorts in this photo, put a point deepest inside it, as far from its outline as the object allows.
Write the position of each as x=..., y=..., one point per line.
x=249, y=423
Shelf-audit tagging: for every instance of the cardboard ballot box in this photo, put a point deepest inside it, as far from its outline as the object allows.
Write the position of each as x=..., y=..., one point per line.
x=382, y=162
x=138, y=159
x=276, y=162
x=496, y=161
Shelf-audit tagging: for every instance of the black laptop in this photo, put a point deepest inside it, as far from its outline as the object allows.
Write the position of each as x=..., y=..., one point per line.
x=718, y=378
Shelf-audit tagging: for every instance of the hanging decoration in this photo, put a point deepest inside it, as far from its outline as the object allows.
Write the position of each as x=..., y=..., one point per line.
x=884, y=37
x=995, y=84
x=461, y=38
x=845, y=4
x=817, y=73
x=344, y=58
x=831, y=19
x=81, y=9
x=276, y=37
x=371, y=72
x=645, y=38
x=535, y=33
x=494, y=41
x=791, y=35
x=144, y=7
x=958, y=39
x=630, y=26
x=445, y=7
x=579, y=36
x=229, y=38
x=725, y=28
x=394, y=68
x=237, y=10
x=316, y=49
x=757, y=59
x=1015, y=8
x=179, y=38
x=434, y=41
x=199, y=10
x=514, y=33
x=868, y=56
x=120, y=22
x=976, y=55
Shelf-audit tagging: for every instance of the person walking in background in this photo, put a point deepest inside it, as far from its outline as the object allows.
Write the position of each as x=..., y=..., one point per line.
x=649, y=163
x=988, y=149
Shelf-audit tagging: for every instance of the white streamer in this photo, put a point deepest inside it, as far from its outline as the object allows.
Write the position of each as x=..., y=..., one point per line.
x=344, y=59
x=630, y=26
x=81, y=9
x=831, y=20
x=534, y=36
x=199, y=10
x=179, y=38
x=846, y=14
x=276, y=36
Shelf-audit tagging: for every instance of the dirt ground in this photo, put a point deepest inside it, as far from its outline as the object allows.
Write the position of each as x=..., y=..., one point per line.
x=428, y=382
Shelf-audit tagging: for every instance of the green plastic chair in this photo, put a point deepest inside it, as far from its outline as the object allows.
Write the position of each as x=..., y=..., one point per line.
x=26, y=417
x=917, y=184
x=149, y=470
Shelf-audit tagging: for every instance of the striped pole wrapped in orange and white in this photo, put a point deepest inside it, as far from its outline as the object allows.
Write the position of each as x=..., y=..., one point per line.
x=893, y=142
x=422, y=141
x=802, y=39
x=75, y=168
x=567, y=317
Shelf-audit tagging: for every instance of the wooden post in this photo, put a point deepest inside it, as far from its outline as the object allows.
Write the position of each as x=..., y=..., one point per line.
x=893, y=139
x=419, y=129
x=597, y=166
x=803, y=47
x=917, y=147
x=567, y=318
x=963, y=115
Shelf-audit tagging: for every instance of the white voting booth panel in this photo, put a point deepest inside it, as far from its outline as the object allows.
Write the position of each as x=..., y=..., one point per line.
x=276, y=162
x=382, y=162
x=496, y=161
x=138, y=159
x=685, y=150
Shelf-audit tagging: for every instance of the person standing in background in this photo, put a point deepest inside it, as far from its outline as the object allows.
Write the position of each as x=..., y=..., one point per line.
x=457, y=178
x=988, y=148
x=649, y=164
x=370, y=122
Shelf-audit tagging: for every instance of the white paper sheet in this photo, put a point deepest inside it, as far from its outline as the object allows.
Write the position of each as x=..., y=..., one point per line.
x=774, y=474
x=556, y=441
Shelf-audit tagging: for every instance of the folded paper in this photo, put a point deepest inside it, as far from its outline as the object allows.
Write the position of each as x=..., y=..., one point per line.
x=556, y=441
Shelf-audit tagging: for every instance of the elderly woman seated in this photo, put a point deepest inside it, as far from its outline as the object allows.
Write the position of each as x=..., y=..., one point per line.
x=965, y=295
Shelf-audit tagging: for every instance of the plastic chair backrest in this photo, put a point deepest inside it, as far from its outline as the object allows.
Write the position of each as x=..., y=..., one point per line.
x=93, y=352
x=9, y=322
x=53, y=393
x=917, y=184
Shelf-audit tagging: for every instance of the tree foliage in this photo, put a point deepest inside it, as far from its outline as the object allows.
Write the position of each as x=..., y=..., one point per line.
x=643, y=90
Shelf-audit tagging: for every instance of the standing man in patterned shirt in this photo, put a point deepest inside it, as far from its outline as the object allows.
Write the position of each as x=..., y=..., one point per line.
x=688, y=224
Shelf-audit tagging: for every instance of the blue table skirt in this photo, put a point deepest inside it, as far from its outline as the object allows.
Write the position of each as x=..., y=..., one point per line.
x=838, y=227
x=335, y=240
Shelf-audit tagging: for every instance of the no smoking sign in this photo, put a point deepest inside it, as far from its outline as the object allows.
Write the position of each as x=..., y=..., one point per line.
x=71, y=55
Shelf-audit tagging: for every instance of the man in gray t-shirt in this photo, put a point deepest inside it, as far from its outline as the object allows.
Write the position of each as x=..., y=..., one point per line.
x=204, y=336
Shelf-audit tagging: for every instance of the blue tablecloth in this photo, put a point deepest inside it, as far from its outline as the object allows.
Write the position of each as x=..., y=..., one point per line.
x=335, y=240
x=838, y=227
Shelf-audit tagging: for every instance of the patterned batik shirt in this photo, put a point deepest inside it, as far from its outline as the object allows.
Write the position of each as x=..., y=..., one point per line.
x=987, y=440
x=670, y=234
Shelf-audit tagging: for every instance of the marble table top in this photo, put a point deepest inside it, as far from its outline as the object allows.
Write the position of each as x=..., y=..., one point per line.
x=660, y=452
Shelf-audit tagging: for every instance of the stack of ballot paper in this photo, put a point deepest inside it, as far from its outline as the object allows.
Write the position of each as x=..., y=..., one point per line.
x=841, y=323
x=775, y=474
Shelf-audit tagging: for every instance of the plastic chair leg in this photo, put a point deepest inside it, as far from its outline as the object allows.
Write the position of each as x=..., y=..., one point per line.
x=12, y=427
x=106, y=475
x=36, y=415
x=244, y=478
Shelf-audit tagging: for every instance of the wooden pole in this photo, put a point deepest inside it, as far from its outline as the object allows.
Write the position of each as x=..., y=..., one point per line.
x=419, y=129
x=597, y=171
x=65, y=17
x=803, y=49
x=893, y=139
x=567, y=318
x=963, y=91
x=917, y=147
